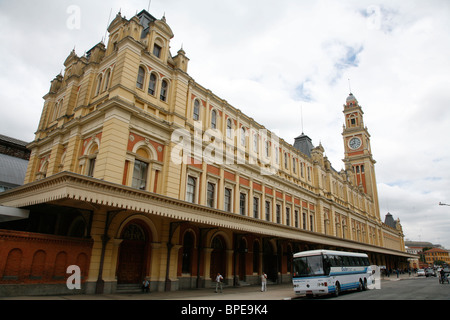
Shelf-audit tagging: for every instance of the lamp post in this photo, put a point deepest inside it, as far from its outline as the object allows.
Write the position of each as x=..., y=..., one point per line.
x=443, y=204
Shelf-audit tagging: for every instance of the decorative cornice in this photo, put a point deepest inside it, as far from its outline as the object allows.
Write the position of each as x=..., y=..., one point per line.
x=82, y=190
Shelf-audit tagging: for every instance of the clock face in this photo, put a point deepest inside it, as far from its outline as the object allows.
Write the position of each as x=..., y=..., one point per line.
x=354, y=143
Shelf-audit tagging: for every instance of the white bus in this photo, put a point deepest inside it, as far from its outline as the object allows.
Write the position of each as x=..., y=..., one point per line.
x=319, y=272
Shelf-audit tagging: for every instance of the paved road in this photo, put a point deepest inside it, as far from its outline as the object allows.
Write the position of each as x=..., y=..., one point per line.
x=414, y=288
x=405, y=288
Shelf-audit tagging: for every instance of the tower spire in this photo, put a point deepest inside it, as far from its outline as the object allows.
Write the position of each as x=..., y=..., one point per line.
x=301, y=115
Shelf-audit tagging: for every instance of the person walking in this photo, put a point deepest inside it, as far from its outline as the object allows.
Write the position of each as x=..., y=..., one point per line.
x=219, y=279
x=263, y=282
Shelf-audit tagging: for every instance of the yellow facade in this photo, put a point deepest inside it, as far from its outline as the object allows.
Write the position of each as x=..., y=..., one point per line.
x=436, y=255
x=144, y=141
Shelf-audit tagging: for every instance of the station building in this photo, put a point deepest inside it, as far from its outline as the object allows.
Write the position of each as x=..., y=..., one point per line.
x=138, y=171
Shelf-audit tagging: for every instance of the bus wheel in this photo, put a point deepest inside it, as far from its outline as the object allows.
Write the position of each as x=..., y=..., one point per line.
x=365, y=284
x=360, y=286
x=337, y=289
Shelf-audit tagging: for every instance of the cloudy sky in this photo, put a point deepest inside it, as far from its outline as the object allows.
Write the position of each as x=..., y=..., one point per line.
x=272, y=59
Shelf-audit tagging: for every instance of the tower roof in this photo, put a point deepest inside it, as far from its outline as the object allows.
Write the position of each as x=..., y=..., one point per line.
x=303, y=144
x=389, y=220
x=351, y=98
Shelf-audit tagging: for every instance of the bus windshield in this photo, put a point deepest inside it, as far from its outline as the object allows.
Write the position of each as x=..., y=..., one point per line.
x=310, y=266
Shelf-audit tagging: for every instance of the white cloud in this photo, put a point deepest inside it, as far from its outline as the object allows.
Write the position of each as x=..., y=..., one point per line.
x=269, y=59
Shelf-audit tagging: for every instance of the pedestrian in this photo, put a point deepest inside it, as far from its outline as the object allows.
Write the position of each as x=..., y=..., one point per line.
x=263, y=282
x=219, y=279
x=145, y=285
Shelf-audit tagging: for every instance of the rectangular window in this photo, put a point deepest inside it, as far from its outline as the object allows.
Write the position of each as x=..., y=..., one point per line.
x=210, y=196
x=140, y=175
x=157, y=51
x=227, y=200
x=288, y=216
x=256, y=207
x=190, y=192
x=304, y=220
x=242, y=199
x=267, y=210
x=91, y=167
x=296, y=218
x=278, y=213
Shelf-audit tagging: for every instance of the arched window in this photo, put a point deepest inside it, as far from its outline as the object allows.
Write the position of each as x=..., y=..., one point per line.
x=140, y=175
x=107, y=78
x=191, y=188
x=99, y=85
x=164, y=90
x=214, y=119
x=229, y=128
x=152, y=85
x=227, y=199
x=286, y=160
x=243, y=136
x=210, y=195
x=140, y=78
x=57, y=110
x=196, y=114
x=157, y=50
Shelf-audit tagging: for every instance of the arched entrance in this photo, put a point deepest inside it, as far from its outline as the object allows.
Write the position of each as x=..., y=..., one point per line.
x=242, y=256
x=270, y=261
x=132, y=254
x=218, y=257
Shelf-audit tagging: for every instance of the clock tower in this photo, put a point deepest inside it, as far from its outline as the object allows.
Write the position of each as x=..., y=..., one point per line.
x=358, y=154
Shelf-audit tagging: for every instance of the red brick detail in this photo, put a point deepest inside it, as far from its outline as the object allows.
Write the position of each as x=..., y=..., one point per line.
x=156, y=145
x=27, y=258
x=244, y=181
x=229, y=176
x=213, y=170
x=257, y=186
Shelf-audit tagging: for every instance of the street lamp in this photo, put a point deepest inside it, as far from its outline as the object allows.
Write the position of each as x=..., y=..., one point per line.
x=443, y=204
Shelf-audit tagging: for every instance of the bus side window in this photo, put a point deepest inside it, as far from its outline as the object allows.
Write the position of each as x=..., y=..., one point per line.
x=332, y=261
x=345, y=262
x=352, y=261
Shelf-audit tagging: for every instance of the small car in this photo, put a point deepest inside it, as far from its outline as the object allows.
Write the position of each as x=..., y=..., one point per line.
x=421, y=272
x=430, y=272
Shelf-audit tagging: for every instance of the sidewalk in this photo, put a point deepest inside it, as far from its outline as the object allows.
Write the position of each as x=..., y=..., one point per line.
x=274, y=292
